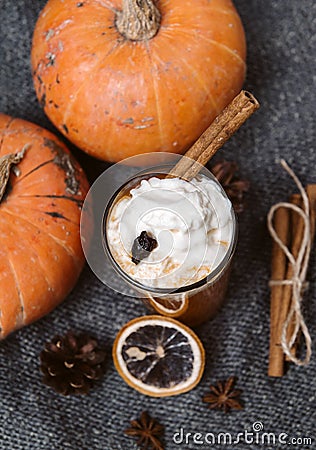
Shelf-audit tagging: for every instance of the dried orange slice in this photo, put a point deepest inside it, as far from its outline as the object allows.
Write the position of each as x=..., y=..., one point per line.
x=158, y=356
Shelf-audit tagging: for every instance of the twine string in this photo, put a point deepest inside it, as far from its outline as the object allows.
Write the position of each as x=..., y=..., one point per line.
x=299, y=270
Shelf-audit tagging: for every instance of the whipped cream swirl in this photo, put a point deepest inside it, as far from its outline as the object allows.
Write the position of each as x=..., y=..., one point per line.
x=193, y=223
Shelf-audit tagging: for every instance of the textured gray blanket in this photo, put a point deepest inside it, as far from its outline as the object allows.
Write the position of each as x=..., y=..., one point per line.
x=281, y=72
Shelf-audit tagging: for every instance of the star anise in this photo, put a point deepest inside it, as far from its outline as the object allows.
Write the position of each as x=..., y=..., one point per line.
x=226, y=173
x=148, y=432
x=224, y=396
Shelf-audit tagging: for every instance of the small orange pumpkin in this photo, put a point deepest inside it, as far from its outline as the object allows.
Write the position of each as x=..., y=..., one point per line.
x=123, y=77
x=40, y=251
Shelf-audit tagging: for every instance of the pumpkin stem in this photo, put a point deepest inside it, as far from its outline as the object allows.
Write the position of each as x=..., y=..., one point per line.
x=139, y=20
x=6, y=163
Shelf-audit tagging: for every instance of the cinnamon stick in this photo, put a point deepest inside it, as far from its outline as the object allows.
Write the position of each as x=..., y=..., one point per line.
x=215, y=136
x=279, y=262
x=311, y=194
x=297, y=232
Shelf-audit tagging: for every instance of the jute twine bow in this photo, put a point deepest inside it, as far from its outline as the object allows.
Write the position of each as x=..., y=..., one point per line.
x=299, y=266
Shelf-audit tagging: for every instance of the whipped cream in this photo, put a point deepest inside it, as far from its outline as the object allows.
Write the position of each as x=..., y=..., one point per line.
x=191, y=221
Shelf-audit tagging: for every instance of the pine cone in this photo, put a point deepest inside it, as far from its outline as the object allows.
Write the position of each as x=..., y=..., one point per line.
x=71, y=363
x=225, y=172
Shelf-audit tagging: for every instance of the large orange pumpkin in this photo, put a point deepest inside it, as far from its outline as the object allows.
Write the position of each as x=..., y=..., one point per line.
x=40, y=252
x=146, y=78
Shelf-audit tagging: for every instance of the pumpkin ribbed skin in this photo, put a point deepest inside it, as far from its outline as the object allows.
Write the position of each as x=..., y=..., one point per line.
x=40, y=251
x=115, y=98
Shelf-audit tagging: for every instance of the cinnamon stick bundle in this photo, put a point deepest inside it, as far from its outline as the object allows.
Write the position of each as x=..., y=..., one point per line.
x=289, y=226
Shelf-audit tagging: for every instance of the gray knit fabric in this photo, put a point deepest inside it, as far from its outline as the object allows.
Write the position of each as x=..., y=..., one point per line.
x=281, y=71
